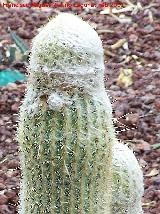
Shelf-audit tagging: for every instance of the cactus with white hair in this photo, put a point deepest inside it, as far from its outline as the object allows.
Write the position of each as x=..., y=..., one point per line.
x=70, y=158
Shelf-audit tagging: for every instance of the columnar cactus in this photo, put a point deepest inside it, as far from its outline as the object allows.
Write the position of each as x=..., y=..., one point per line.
x=71, y=161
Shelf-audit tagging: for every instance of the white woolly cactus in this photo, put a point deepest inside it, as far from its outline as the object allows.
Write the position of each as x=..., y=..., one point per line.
x=71, y=161
x=127, y=186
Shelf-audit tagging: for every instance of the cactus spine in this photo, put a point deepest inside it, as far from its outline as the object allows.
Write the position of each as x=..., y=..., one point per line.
x=65, y=132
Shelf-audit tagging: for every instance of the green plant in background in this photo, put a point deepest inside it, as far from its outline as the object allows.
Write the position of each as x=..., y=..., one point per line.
x=20, y=44
x=70, y=158
x=18, y=51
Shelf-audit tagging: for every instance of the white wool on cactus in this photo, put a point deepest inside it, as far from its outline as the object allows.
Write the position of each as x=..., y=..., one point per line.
x=68, y=53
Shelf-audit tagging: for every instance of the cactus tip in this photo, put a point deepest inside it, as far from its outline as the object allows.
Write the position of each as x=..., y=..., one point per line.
x=65, y=44
x=67, y=53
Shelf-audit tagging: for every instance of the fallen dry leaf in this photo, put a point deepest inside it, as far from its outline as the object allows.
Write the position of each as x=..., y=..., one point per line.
x=118, y=44
x=152, y=173
x=148, y=204
x=125, y=78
